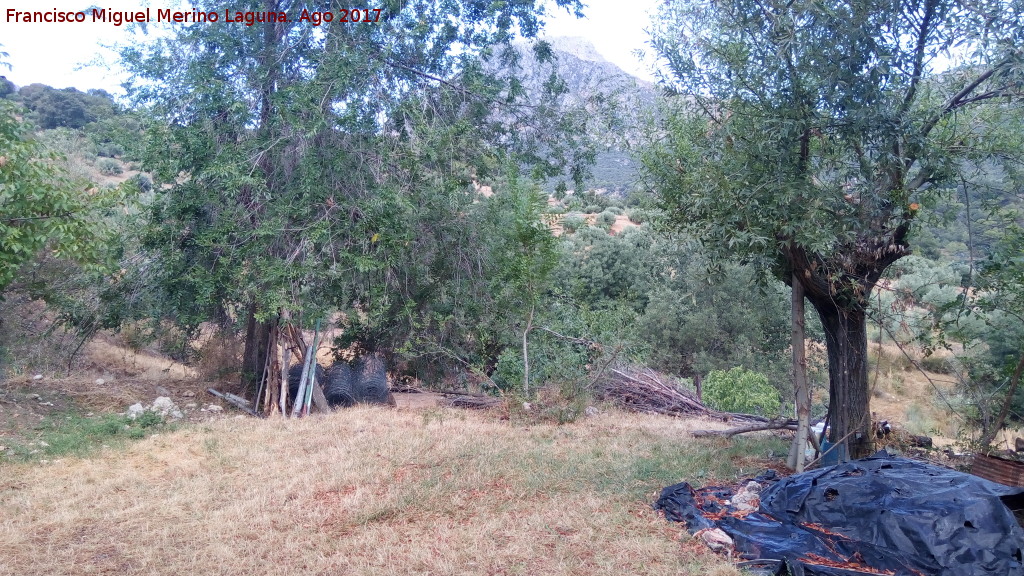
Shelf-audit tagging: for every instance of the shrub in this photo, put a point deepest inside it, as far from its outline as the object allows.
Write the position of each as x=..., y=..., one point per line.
x=508, y=374
x=614, y=210
x=639, y=216
x=573, y=222
x=109, y=150
x=606, y=219
x=144, y=183
x=592, y=209
x=937, y=364
x=109, y=167
x=741, y=390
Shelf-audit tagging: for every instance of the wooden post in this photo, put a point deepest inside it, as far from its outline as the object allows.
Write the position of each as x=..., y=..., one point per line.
x=801, y=390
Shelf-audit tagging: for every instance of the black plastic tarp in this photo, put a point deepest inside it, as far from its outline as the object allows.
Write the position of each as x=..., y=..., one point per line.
x=878, y=515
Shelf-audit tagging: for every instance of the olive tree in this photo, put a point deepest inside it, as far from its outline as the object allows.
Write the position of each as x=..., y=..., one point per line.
x=807, y=136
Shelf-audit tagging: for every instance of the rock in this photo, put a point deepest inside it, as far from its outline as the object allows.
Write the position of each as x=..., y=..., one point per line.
x=188, y=394
x=191, y=405
x=100, y=381
x=44, y=444
x=215, y=408
x=2, y=448
x=37, y=377
x=135, y=410
x=716, y=539
x=591, y=411
x=748, y=498
x=164, y=406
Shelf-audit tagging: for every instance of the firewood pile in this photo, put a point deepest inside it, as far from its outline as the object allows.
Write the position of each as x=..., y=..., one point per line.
x=644, y=390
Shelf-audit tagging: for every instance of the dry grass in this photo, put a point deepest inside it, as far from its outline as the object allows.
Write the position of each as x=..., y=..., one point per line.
x=370, y=491
x=907, y=396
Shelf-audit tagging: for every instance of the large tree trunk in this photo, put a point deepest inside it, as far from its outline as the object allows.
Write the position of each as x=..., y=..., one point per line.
x=847, y=343
x=254, y=357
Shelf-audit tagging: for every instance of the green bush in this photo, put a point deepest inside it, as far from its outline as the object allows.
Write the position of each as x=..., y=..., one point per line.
x=592, y=209
x=614, y=210
x=573, y=222
x=508, y=374
x=606, y=219
x=109, y=150
x=639, y=216
x=144, y=182
x=109, y=167
x=741, y=390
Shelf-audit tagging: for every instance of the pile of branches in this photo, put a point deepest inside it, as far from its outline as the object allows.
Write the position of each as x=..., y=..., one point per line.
x=644, y=390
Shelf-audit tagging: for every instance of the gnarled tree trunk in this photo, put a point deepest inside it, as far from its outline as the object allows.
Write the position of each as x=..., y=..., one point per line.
x=847, y=343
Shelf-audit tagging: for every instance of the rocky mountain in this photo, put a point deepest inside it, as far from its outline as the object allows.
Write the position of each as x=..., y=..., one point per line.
x=619, y=97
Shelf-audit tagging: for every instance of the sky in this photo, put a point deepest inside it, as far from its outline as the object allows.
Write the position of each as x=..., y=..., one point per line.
x=73, y=55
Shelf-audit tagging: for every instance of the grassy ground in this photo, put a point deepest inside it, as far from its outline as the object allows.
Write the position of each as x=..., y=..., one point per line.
x=371, y=491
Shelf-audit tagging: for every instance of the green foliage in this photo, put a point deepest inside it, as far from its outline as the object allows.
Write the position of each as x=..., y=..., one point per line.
x=143, y=182
x=68, y=107
x=606, y=219
x=39, y=206
x=573, y=222
x=298, y=172
x=740, y=390
x=807, y=140
x=109, y=167
x=509, y=370
x=639, y=215
x=7, y=88
x=109, y=150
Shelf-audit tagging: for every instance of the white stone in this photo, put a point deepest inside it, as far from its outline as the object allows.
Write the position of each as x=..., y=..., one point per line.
x=37, y=377
x=591, y=411
x=716, y=539
x=215, y=408
x=100, y=381
x=135, y=410
x=164, y=406
x=748, y=498
x=44, y=444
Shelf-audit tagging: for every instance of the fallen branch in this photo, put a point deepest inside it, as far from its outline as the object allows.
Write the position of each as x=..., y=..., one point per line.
x=236, y=401
x=772, y=425
x=475, y=402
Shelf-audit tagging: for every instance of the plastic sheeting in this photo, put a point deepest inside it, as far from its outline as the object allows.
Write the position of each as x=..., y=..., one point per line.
x=878, y=515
